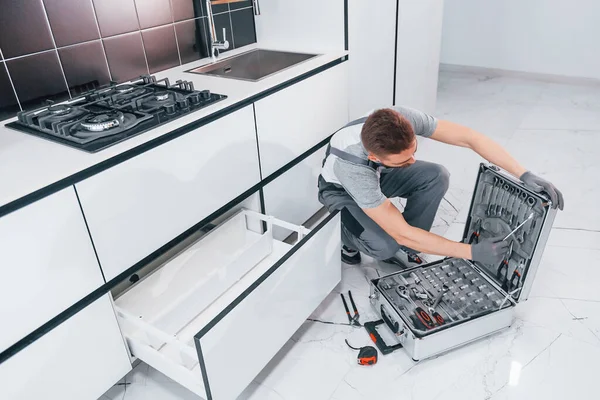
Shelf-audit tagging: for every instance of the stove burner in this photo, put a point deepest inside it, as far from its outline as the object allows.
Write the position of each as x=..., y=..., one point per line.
x=59, y=109
x=161, y=96
x=111, y=114
x=125, y=88
x=103, y=122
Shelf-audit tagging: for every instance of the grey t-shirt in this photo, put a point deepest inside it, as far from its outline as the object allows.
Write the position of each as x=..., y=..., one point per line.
x=360, y=181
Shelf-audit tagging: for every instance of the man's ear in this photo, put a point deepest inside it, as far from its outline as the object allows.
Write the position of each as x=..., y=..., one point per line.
x=372, y=157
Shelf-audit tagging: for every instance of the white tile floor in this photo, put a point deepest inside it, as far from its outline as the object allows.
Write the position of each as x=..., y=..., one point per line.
x=553, y=349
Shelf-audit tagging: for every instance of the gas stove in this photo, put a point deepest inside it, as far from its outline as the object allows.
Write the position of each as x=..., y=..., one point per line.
x=106, y=116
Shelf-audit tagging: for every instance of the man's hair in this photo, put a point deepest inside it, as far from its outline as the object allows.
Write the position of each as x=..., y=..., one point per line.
x=387, y=132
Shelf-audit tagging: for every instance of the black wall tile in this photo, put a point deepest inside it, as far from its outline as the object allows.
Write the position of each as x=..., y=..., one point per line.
x=191, y=37
x=153, y=13
x=243, y=27
x=72, y=21
x=187, y=9
x=23, y=28
x=125, y=55
x=116, y=16
x=240, y=4
x=8, y=102
x=223, y=21
x=37, y=78
x=85, y=67
x=161, y=48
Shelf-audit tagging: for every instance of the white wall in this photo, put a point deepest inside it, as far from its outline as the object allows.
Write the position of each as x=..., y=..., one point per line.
x=307, y=25
x=543, y=36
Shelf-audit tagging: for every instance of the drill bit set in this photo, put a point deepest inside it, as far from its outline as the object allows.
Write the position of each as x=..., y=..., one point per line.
x=441, y=294
x=436, y=307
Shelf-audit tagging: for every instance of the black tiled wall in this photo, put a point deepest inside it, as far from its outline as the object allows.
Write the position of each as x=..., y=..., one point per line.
x=58, y=49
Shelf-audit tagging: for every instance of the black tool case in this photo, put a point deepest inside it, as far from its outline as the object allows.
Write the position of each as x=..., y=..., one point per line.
x=475, y=300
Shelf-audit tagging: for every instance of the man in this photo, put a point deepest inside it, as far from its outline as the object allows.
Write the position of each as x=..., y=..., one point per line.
x=373, y=159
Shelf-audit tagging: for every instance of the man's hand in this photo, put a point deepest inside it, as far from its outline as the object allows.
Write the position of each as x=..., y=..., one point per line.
x=539, y=185
x=489, y=251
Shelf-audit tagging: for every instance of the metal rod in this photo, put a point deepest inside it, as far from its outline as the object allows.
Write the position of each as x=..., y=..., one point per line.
x=518, y=227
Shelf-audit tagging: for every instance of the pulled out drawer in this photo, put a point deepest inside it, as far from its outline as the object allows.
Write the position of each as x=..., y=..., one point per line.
x=213, y=317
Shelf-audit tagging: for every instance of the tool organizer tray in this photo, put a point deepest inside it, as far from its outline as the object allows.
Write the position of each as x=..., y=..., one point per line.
x=433, y=308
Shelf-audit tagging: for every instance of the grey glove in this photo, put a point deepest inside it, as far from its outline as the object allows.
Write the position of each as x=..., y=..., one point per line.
x=539, y=185
x=489, y=251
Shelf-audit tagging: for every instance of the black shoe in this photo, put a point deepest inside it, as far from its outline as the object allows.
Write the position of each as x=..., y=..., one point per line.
x=405, y=260
x=350, y=256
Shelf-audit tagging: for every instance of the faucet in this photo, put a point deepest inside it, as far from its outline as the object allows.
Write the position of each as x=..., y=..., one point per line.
x=215, y=44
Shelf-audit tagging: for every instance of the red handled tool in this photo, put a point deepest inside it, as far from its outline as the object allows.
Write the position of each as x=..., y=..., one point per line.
x=504, y=266
x=476, y=233
x=422, y=316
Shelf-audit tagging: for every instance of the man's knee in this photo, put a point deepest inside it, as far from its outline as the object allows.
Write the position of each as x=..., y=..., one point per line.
x=383, y=248
x=440, y=177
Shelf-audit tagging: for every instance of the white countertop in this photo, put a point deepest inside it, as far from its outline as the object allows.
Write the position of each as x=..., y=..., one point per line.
x=29, y=163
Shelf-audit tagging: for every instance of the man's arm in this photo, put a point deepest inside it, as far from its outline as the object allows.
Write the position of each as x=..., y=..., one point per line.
x=392, y=221
x=459, y=135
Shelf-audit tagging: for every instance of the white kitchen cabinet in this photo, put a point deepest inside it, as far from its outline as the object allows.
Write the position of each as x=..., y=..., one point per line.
x=371, y=42
x=78, y=360
x=296, y=118
x=293, y=195
x=47, y=264
x=418, y=58
x=138, y=206
x=167, y=323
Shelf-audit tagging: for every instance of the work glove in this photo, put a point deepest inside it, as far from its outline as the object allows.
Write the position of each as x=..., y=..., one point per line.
x=539, y=185
x=489, y=251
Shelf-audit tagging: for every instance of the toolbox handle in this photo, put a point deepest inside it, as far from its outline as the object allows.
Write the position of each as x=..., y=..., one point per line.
x=393, y=325
x=371, y=328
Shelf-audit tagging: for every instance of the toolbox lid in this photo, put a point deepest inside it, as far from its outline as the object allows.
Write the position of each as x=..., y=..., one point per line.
x=500, y=204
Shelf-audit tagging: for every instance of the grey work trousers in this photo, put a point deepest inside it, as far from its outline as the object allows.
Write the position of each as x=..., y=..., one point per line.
x=422, y=184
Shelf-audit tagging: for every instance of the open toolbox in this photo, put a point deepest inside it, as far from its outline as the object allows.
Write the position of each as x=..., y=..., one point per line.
x=436, y=307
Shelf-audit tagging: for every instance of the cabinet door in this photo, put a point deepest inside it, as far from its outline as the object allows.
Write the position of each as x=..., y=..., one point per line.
x=419, y=44
x=293, y=196
x=371, y=42
x=48, y=264
x=295, y=119
x=78, y=360
x=143, y=203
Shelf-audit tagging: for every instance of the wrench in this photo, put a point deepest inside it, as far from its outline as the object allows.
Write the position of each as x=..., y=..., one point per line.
x=494, y=197
x=421, y=314
x=503, y=199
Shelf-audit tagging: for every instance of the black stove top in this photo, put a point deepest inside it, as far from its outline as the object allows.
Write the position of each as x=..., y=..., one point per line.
x=109, y=115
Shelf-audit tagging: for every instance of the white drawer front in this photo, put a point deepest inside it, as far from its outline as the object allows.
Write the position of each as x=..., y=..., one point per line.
x=293, y=196
x=47, y=264
x=293, y=120
x=238, y=347
x=78, y=360
x=138, y=206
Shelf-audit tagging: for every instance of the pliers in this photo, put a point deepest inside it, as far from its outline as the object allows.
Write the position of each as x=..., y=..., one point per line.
x=504, y=265
x=352, y=319
x=476, y=232
x=516, y=275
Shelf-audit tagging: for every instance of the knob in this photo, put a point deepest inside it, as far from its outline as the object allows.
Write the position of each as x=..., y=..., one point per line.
x=194, y=98
x=170, y=108
x=205, y=94
x=183, y=103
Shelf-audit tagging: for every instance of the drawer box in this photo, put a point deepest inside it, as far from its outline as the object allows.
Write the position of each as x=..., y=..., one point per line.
x=215, y=335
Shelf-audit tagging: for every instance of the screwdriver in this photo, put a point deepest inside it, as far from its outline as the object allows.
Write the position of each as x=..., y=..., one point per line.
x=518, y=227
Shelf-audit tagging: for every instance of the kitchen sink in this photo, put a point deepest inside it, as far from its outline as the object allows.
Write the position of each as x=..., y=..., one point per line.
x=253, y=65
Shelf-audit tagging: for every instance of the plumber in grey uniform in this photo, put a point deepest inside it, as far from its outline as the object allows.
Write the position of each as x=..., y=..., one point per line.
x=372, y=159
